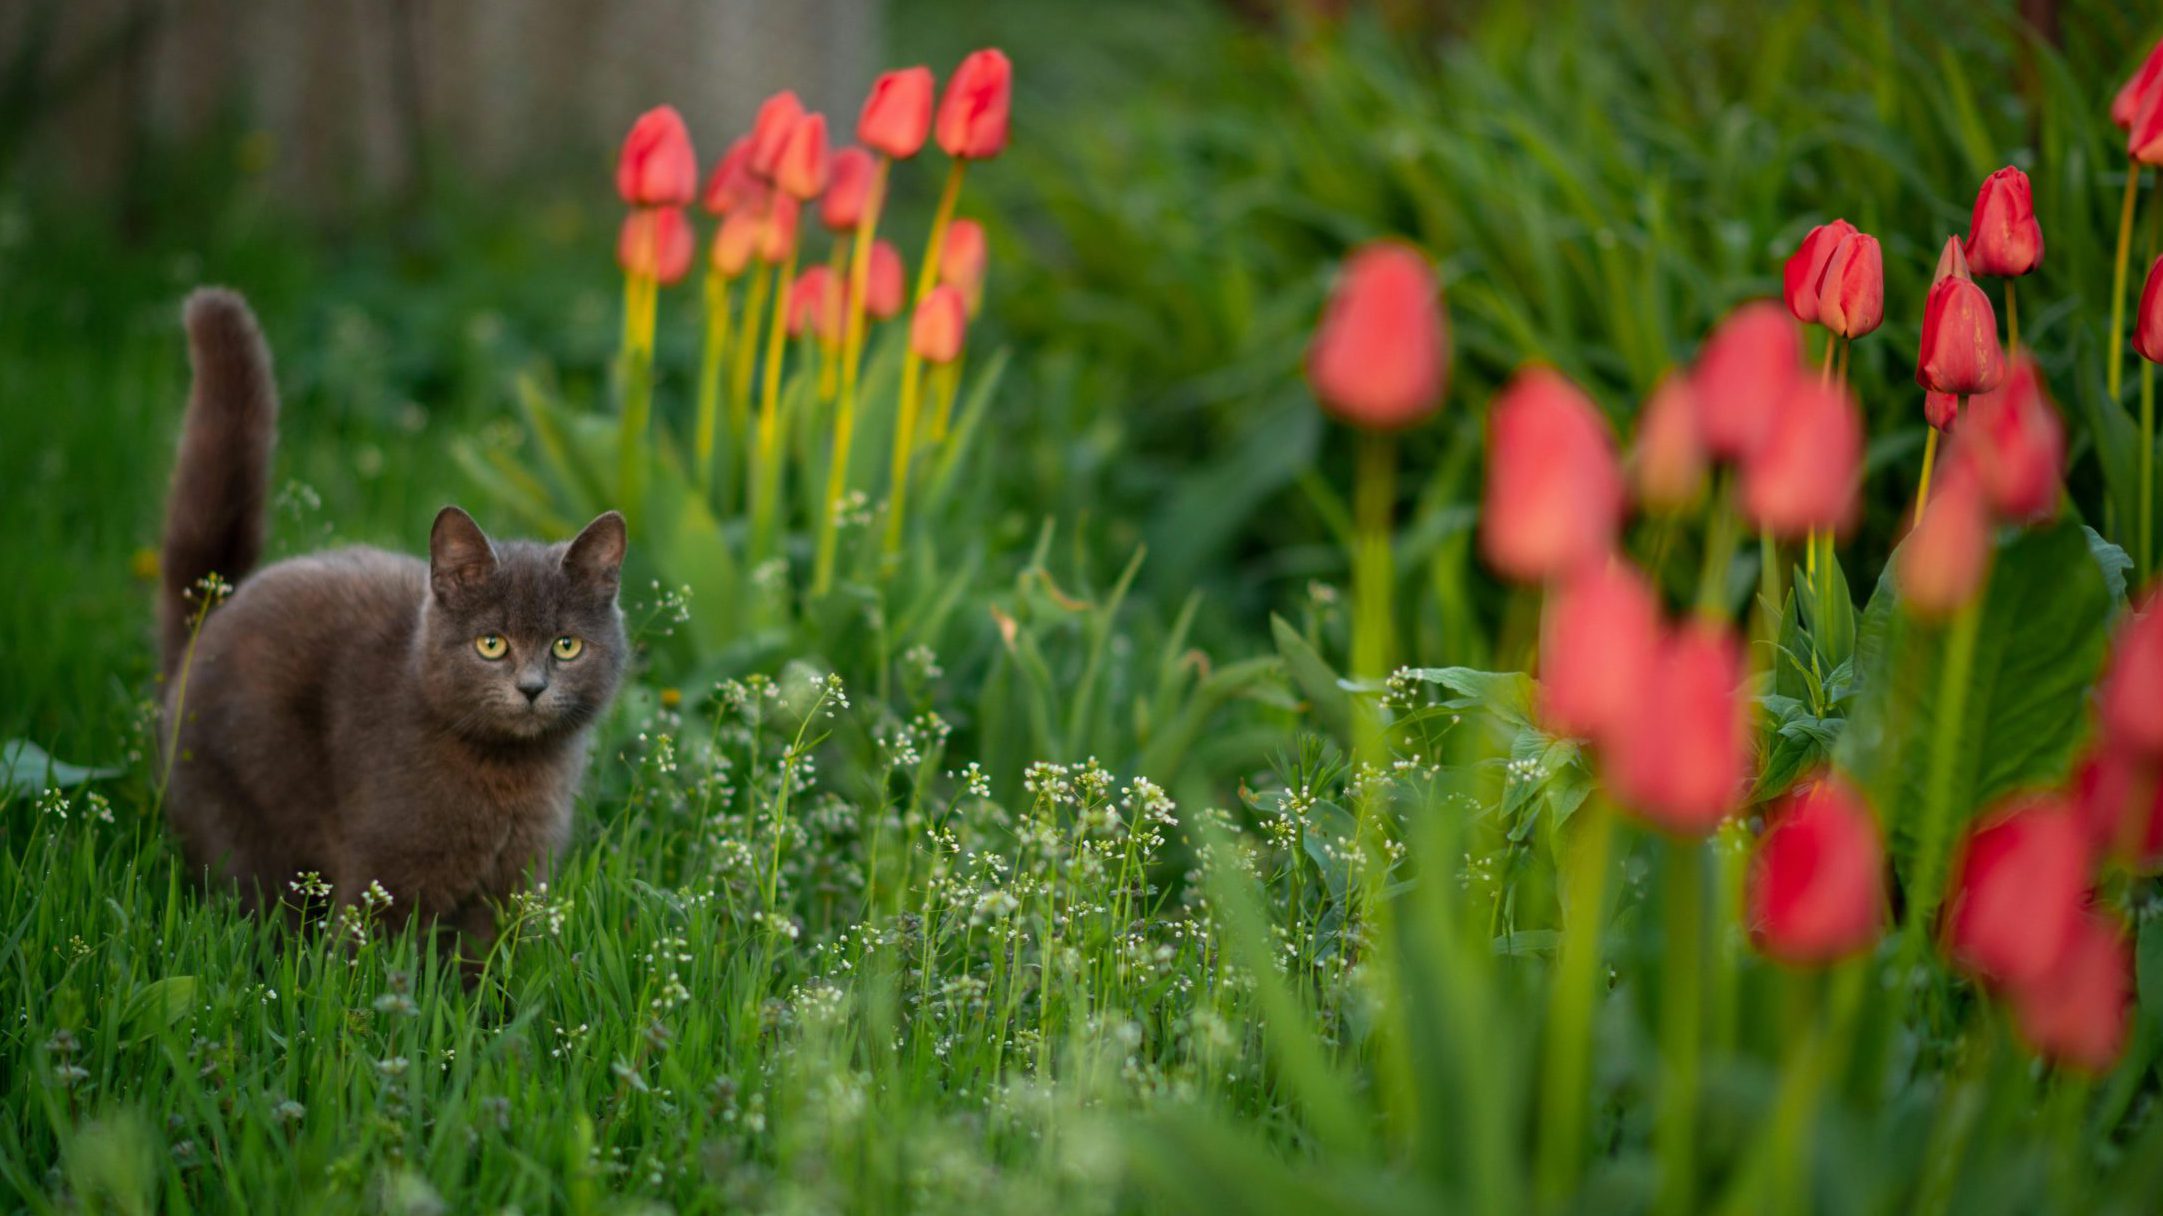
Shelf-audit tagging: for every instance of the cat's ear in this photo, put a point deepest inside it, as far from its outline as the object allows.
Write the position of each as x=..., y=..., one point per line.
x=460, y=559
x=595, y=558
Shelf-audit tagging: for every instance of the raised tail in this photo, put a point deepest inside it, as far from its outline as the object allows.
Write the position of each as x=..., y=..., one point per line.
x=215, y=512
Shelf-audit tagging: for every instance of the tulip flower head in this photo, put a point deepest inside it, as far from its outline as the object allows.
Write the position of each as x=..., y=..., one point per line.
x=897, y=115
x=777, y=117
x=2144, y=141
x=940, y=325
x=962, y=259
x=801, y=170
x=1805, y=476
x=1680, y=760
x=1554, y=488
x=2016, y=444
x=657, y=167
x=1851, y=295
x=973, y=115
x=1940, y=410
x=2119, y=795
x=1941, y=564
x=1960, y=352
x=655, y=243
x=2019, y=884
x=736, y=241
x=732, y=186
x=2148, y=322
x=2130, y=698
x=2141, y=85
x=1380, y=353
x=848, y=190
x=1816, y=889
x=1742, y=374
x=1668, y=460
x=1598, y=632
x=883, y=291
x=1806, y=266
x=2003, y=237
x=2078, y=1013
x=815, y=300
x=777, y=228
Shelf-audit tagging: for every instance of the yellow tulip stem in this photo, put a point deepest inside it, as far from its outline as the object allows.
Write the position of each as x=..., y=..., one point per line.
x=2115, y=339
x=852, y=351
x=718, y=290
x=766, y=471
x=912, y=366
x=747, y=349
x=1930, y=458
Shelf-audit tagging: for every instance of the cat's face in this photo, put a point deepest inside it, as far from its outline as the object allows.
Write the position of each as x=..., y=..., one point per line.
x=523, y=642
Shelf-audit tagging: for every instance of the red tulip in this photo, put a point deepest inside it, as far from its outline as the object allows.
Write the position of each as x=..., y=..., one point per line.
x=777, y=228
x=777, y=116
x=1960, y=351
x=1940, y=566
x=1816, y=889
x=2125, y=107
x=815, y=304
x=1554, y=490
x=2003, y=237
x=1380, y=353
x=736, y=241
x=882, y=291
x=961, y=261
x=1851, y=295
x=848, y=190
x=1669, y=458
x=2016, y=443
x=897, y=115
x=657, y=167
x=732, y=186
x=2130, y=700
x=801, y=170
x=2077, y=1014
x=655, y=243
x=1681, y=759
x=1804, y=477
x=1743, y=371
x=940, y=324
x=2019, y=882
x=1940, y=410
x=2144, y=142
x=2119, y=795
x=2148, y=323
x=972, y=116
x=1806, y=266
x=1597, y=636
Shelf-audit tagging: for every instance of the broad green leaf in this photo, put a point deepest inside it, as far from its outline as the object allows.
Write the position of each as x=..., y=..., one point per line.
x=26, y=768
x=1332, y=706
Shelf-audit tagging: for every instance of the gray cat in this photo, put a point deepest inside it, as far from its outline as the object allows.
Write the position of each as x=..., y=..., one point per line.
x=365, y=715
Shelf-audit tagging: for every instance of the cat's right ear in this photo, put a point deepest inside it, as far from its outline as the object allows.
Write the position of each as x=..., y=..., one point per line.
x=460, y=558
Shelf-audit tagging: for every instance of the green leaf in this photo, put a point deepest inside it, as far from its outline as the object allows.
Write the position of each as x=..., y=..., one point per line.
x=2114, y=562
x=1505, y=694
x=26, y=768
x=1315, y=680
x=157, y=1005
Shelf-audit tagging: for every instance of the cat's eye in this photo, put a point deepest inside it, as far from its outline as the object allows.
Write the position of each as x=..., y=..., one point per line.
x=568, y=648
x=491, y=646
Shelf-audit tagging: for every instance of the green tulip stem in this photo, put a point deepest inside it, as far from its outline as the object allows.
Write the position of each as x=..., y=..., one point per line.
x=1564, y=1093
x=718, y=289
x=1681, y=1017
x=1374, y=499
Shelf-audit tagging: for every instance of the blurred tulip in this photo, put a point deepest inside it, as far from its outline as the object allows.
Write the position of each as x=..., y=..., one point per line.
x=1597, y=636
x=848, y=190
x=777, y=116
x=1804, y=477
x=736, y=241
x=973, y=115
x=2130, y=699
x=1940, y=566
x=2148, y=323
x=2142, y=84
x=1743, y=371
x=2078, y=1013
x=802, y=168
x=1380, y=354
x=962, y=259
x=883, y=293
x=1816, y=890
x=2019, y=883
x=2016, y=443
x=2144, y=142
x=815, y=306
x=1806, y=266
x=1554, y=491
x=2003, y=237
x=1960, y=352
x=657, y=167
x=897, y=115
x=1851, y=295
x=655, y=243
x=1668, y=461
x=777, y=228
x=732, y=186
x=1940, y=410
x=940, y=324
x=2119, y=794
x=1680, y=760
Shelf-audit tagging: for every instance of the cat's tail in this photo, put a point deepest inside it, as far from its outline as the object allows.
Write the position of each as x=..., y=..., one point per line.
x=215, y=512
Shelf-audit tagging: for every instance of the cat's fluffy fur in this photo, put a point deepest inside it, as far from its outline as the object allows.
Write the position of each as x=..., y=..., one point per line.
x=335, y=713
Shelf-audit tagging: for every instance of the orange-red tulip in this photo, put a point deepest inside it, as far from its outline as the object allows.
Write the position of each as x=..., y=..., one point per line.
x=777, y=116
x=1806, y=266
x=1960, y=352
x=897, y=115
x=1816, y=889
x=2016, y=443
x=1598, y=632
x=2077, y=1014
x=657, y=167
x=1380, y=352
x=848, y=190
x=1940, y=410
x=1851, y=294
x=1668, y=461
x=973, y=114
x=815, y=305
x=1554, y=489
x=2003, y=237
x=777, y=228
x=1940, y=566
x=801, y=170
x=1804, y=477
x=732, y=186
x=883, y=289
x=1743, y=372
x=2144, y=143
x=940, y=325
x=736, y=241
x=1681, y=759
x=2148, y=322
x=2141, y=85
x=655, y=243
x=962, y=259
x=2119, y=794
x=2130, y=700
x=2019, y=883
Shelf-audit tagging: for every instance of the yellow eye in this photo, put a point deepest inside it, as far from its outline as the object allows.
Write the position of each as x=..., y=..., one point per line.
x=491, y=645
x=568, y=648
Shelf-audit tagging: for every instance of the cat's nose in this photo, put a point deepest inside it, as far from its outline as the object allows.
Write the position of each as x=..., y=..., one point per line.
x=533, y=684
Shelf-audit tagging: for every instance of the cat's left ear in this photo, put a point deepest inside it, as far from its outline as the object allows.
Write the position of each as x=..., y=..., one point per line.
x=595, y=558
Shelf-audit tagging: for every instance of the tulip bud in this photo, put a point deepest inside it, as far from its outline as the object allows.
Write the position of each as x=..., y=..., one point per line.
x=2019, y=882
x=1804, y=477
x=1681, y=758
x=1940, y=410
x=777, y=116
x=1380, y=353
x=801, y=170
x=815, y=306
x=961, y=261
x=657, y=167
x=736, y=241
x=732, y=186
x=1940, y=566
x=2077, y=1014
x=1597, y=636
x=2119, y=796
x=940, y=324
x=2016, y=444
x=2148, y=322
x=2130, y=700
x=2125, y=107
x=1554, y=490
x=655, y=243
x=973, y=114
x=2003, y=237
x=1816, y=890
x=1669, y=459
x=1960, y=352
x=1743, y=372
x=1806, y=266
x=777, y=228
x=1952, y=262
x=1851, y=296
x=2144, y=143
x=897, y=115
x=848, y=190
x=882, y=291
